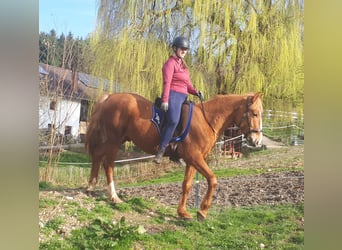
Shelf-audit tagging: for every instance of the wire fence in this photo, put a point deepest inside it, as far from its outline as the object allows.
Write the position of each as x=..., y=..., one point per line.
x=286, y=127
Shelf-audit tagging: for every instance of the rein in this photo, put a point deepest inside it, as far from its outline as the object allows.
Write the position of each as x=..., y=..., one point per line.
x=206, y=119
x=245, y=115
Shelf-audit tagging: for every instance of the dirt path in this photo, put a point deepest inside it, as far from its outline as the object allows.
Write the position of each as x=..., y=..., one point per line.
x=270, y=188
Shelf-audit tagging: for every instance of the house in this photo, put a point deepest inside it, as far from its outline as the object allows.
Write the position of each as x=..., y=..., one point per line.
x=64, y=101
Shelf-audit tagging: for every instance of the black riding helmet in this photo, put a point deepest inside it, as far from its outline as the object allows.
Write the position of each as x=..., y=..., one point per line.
x=181, y=42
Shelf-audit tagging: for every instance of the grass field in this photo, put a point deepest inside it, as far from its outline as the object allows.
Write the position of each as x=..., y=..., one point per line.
x=86, y=222
x=143, y=224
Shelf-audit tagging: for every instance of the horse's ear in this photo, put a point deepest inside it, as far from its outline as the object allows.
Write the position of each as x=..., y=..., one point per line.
x=257, y=95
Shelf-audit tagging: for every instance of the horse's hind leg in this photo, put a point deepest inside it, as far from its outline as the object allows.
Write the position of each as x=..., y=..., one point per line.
x=96, y=164
x=109, y=168
x=187, y=183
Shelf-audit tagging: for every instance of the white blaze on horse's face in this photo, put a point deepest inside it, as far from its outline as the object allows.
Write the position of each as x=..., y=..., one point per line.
x=254, y=120
x=255, y=135
x=260, y=141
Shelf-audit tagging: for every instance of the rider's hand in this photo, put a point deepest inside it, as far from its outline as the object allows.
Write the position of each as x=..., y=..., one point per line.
x=200, y=95
x=164, y=106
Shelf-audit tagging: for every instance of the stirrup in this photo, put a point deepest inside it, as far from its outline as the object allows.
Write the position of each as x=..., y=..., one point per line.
x=157, y=159
x=181, y=162
x=159, y=156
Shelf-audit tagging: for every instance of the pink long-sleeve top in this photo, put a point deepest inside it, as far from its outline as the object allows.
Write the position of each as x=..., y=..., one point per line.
x=176, y=78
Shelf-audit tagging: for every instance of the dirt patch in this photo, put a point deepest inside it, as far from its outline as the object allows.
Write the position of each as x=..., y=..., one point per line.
x=270, y=188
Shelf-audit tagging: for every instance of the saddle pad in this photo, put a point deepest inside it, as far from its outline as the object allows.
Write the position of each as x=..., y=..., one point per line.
x=157, y=118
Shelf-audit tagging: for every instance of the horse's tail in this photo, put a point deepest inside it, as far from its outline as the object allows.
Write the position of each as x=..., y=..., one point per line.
x=95, y=131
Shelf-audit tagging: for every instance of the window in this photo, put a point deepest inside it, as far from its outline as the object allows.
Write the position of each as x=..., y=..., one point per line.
x=84, y=110
x=53, y=105
x=67, y=130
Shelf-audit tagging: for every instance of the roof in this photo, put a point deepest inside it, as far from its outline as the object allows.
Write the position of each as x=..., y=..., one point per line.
x=72, y=84
x=96, y=82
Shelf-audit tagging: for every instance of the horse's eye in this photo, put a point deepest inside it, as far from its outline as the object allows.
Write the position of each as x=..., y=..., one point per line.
x=255, y=114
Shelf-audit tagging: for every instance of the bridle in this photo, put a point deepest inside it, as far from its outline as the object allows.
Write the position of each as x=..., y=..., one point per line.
x=245, y=115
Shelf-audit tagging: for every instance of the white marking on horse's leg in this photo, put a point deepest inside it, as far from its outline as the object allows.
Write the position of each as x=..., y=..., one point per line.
x=112, y=193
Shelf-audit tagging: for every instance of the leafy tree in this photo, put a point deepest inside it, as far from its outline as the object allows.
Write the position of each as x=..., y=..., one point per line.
x=48, y=48
x=65, y=51
x=237, y=46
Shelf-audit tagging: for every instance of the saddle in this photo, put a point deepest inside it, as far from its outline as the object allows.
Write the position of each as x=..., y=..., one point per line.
x=182, y=129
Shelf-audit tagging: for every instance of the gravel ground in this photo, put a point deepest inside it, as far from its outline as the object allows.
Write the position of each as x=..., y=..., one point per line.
x=270, y=188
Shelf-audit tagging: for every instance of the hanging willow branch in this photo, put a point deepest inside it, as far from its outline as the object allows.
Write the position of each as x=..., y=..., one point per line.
x=236, y=46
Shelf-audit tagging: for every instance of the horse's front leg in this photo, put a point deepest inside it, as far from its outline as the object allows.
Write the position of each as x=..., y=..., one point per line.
x=187, y=183
x=109, y=167
x=212, y=183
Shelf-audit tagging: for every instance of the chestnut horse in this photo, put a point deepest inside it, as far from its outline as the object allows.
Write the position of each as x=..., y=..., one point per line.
x=121, y=117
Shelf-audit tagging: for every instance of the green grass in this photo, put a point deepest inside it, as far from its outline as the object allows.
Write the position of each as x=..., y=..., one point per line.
x=54, y=223
x=240, y=228
x=100, y=234
x=68, y=157
x=44, y=203
x=277, y=227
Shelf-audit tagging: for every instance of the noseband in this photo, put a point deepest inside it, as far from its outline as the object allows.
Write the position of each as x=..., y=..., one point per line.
x=245, y=115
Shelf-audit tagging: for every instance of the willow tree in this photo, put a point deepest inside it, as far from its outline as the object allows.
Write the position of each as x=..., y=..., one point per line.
x=236, y=46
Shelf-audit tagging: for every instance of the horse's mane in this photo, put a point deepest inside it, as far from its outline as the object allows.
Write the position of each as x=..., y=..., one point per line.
x=224, y=99
x=232, y=95
x=220, y=99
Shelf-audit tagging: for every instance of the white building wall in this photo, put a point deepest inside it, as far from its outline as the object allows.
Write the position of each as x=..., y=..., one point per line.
x=67, y=113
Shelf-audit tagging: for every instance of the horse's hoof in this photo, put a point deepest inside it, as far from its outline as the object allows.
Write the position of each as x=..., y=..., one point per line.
x=89, y=192
x=186, y=218
x=116, y=200
x=200, y=216
x=184, y=215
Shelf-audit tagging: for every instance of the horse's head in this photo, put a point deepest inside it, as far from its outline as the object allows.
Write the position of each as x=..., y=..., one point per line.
x=251, y=122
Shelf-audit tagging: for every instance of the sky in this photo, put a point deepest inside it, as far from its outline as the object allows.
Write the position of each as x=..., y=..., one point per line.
x=64, y=16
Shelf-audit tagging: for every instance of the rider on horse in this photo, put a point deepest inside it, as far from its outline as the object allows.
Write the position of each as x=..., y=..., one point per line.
x=176, y=87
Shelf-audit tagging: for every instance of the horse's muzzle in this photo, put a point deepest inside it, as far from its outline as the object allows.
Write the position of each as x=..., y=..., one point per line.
x=255, y=139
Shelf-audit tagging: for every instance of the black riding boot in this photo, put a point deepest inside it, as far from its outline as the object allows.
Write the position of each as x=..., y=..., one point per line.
x=159, y=156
